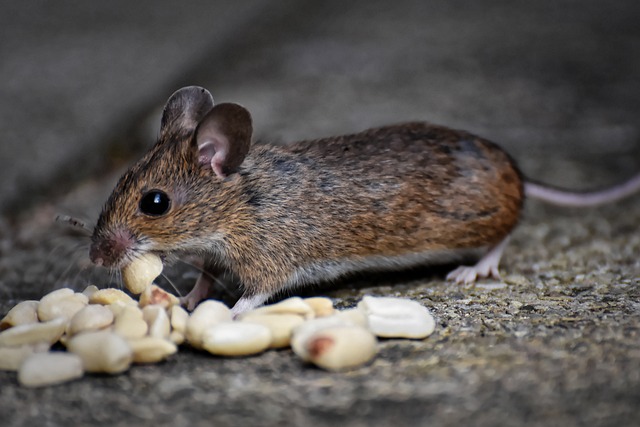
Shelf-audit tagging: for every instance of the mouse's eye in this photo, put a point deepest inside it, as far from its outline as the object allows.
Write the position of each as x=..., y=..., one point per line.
x=155, y=203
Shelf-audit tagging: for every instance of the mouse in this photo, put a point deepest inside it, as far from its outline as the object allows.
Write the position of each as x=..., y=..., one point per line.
x=281, y=217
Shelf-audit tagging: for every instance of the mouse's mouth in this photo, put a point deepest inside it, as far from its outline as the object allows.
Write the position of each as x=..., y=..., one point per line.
x=98, y=258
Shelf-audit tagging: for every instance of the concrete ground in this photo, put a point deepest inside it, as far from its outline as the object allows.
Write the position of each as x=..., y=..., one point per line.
x=554, y=82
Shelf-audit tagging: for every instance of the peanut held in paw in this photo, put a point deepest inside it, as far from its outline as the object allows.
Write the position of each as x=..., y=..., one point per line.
x=140, y=273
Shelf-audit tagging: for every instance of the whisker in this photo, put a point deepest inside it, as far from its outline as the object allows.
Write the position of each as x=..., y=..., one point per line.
x=110, y=278
x=190, y=264
x=95, y=275
x=72, y=263
x=86, y=267
x=117, y=278
x=50, y=260
x=217, y=281
x=77, y=283
x=74, y=254
x=92, y=272
x=173, y=286
x=80, y=277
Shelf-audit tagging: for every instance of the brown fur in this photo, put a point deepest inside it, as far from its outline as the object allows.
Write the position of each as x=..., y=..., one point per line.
x=387, y=192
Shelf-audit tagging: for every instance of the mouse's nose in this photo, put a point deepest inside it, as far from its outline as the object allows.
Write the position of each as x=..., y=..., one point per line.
x=109, y=250
x=95, y=257
x=98, y=252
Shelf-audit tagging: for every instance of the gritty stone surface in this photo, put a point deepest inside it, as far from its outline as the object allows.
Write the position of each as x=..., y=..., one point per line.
x=556, y=342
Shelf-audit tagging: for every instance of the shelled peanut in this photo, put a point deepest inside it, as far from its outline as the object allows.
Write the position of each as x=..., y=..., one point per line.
x=140, y=273
x=106, y=331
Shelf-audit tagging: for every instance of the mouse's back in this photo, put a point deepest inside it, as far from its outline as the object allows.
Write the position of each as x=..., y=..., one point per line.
x=390, y=190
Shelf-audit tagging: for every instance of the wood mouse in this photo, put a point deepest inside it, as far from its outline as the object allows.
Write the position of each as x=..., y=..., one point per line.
x=280, y=217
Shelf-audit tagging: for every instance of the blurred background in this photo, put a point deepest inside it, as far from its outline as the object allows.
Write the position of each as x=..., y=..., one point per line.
x=556, y=82
x=82, y=83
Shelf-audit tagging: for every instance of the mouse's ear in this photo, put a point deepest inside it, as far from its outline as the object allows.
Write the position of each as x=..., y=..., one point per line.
x=224, y=138
x=184, y=110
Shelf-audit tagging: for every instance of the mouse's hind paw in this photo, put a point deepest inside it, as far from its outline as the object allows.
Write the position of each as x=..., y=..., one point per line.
x=486, y=267
x=469, y=274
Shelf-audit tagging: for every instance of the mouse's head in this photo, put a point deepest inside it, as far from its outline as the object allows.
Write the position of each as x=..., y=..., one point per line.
x=168, y=200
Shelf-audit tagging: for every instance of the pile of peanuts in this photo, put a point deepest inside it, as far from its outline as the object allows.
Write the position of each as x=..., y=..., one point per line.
x=106, y=330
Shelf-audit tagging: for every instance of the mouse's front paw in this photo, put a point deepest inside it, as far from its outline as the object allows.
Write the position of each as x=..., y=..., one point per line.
x=189, y=303
x=199, y=292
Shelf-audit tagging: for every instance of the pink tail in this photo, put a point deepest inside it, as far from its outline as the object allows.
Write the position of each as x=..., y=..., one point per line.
x=568, y=198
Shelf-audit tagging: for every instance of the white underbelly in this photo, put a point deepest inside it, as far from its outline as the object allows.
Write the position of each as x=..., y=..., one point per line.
x=330, y=270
